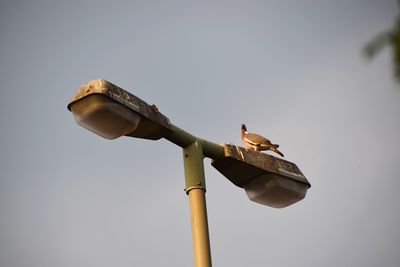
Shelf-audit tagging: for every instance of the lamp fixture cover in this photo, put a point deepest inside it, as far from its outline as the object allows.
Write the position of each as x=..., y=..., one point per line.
x=267, y=180
x=111, y=112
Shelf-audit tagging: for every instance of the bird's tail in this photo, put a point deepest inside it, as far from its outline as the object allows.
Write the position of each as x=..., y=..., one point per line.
x=275, y=149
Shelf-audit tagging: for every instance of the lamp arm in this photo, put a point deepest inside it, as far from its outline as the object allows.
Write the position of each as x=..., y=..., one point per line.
x=185, y=139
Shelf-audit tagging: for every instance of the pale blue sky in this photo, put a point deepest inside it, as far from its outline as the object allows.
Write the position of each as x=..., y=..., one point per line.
x=290, y=70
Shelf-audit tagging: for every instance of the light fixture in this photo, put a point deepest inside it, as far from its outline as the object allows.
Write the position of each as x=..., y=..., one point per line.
x=267, y=180
x=111, y=112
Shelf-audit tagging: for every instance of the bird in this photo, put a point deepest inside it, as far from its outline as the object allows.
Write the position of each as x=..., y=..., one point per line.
x=154, y=108
x=257, y=142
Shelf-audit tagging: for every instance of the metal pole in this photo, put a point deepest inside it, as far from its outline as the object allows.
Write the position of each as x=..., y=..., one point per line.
x=200, y=237
x=195, y=187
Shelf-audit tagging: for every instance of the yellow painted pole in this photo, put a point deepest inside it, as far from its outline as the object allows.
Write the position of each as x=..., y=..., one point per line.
x=200, y=236
x=195, y=187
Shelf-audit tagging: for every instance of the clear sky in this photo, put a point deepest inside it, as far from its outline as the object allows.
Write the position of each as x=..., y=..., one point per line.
x=291, y=70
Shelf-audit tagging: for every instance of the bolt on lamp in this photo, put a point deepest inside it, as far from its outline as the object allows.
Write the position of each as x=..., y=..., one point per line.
x=111, y=112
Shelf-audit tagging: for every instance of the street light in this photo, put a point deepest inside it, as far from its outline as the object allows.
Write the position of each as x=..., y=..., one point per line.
x=266, y=179
x=111, y=112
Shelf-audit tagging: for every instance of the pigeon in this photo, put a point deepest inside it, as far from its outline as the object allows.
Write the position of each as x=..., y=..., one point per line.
x=257, y=142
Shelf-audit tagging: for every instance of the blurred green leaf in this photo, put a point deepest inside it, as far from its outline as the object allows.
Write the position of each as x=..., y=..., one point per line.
x=389, y=38
x=375, y=45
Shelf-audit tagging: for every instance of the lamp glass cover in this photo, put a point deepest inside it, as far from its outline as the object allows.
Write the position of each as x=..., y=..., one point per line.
x=275, y=191
x=104, y=116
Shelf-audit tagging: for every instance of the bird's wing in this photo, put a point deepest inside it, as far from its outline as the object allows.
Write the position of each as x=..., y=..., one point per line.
x=256, y=140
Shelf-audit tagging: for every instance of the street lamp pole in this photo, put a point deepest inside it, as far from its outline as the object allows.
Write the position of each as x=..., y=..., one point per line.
x=195, y=187
x=194, y=151
x=111, y=112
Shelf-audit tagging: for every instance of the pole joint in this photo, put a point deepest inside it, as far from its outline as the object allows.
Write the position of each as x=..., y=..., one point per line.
x=193, y=165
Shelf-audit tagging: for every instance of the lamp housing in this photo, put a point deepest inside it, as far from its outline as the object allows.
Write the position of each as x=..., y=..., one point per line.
x=111, y=112
x=267, y=180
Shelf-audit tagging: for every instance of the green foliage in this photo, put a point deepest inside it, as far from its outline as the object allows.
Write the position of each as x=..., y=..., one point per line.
x=389, y=38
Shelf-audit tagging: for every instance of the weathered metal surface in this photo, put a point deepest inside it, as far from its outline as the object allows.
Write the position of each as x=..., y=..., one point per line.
x=241, y=166
x=154, y=125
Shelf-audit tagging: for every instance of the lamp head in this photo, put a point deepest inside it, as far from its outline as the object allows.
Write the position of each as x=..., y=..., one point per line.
x=266, y=179
x=111, y=112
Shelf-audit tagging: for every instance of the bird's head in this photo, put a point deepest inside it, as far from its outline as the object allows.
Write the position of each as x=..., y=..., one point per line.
x=244, y=128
